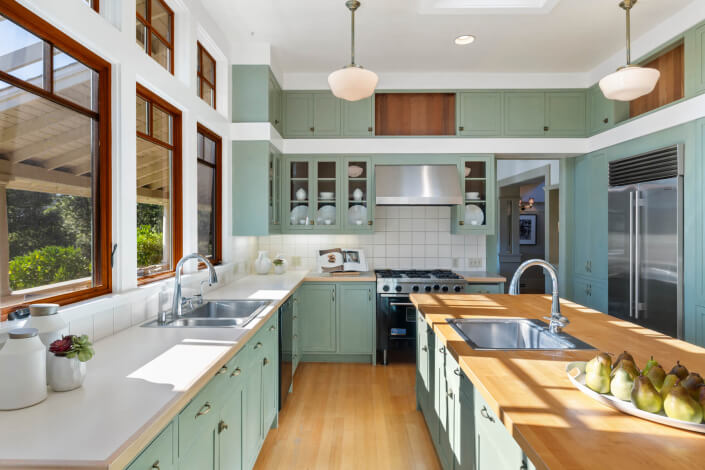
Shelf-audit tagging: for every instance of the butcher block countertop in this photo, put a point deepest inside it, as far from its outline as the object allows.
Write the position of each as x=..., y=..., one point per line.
x=479, y=277
x=556, y=425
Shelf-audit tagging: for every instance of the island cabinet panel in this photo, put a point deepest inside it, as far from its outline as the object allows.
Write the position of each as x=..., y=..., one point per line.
x=275, y=103
x=495, y=447
x=201, y=454
x=524, y=114
x=358, y=117
x=695, y=61
x=252, y=399
x=425, y=375
x=566, y=114
x=318, y=319
x=298, y=114
x=443, y=406
x=159, y=452
x=480, y=114
x=415, y=114
x=355, y=309
x=326, y=115
x=463, y=424
x=270, y=371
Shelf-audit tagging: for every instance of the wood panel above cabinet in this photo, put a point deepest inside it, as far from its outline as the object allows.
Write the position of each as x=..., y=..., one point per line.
x=415, y=114
x=671, y=84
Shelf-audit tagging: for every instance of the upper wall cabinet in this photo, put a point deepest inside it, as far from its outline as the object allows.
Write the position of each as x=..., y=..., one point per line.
x=480, y=114
x=298, y=115
x=326, y=115
x=695, y=61
x=358, y=117
x=603, y=114
x=477, y=182
x=565, y=114
x=544, y=114
x=256, y=95
x=320, y=114
x=524, y=114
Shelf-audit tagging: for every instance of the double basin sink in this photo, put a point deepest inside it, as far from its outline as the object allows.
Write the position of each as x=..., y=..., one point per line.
x=513, y=334
x=215, y=314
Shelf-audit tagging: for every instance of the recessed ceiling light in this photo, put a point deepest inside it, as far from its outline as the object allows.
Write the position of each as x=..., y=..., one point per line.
x=465, y=39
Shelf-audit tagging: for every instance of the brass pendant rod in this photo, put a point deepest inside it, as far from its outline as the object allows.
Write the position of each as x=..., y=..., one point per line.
x=627, y=6
x=352, y=6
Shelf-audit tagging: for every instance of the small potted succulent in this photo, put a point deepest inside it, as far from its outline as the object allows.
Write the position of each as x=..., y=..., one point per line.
x=279, y=264
x=66, y=366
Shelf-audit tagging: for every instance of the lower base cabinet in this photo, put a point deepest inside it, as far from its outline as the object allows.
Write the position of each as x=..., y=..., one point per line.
x=465, y=432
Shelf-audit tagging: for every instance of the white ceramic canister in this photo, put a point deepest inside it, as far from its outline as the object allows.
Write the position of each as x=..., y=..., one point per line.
x=23, y=376
x=50, y=323
x=262, y=264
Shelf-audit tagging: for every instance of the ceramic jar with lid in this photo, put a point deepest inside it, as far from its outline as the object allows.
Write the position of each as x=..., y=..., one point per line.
x=50, y=323
x=23, y=376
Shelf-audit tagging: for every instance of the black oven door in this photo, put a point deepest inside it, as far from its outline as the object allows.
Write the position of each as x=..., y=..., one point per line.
x=396, y=328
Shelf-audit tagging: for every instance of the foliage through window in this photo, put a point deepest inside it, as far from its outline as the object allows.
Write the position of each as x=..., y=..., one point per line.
x=158, y=185
x=155, y=31
x=209, y=190
x=206, y=75
x=54, y=165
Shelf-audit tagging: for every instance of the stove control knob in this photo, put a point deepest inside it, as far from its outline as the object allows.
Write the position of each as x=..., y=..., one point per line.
x=445, y=288
x=427, y=288
x=398, y=288
x=458, y=288
x=436, y=287
x=415, y=288
x=385, y=288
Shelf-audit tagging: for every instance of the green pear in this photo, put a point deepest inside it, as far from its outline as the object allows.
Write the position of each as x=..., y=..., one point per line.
x=623, y=381
x=657, y=375
x=626, y=364
x=621, y=357
x=668, y=383
x=597, y=373
x=701, y=397
x=649, y=364
x=645, y=397
x=680, y=405
x=692, y=383
x=680, y=371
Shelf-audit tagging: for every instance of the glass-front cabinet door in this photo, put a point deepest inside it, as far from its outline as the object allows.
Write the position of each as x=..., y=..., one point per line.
x=275, y=196
x=299, y=199
x=478, y=186
x=326, y=194
x=358, y=195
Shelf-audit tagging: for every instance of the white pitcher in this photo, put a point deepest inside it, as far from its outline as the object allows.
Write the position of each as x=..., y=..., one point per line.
x=262, y=264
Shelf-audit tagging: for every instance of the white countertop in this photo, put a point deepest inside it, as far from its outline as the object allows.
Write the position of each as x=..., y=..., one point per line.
x=138, y=381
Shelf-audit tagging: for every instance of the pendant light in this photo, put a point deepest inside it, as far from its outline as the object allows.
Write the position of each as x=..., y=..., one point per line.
x=631, y=81
x=352, y=82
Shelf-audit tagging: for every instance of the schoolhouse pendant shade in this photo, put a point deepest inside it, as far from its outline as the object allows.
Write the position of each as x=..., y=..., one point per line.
x=353, y=83
x=629, y=83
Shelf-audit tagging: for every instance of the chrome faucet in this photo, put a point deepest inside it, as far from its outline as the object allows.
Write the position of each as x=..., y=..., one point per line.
x=212, y=279
x=557, y=320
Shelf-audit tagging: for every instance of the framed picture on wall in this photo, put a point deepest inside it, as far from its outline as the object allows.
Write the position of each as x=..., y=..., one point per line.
x=527, y=229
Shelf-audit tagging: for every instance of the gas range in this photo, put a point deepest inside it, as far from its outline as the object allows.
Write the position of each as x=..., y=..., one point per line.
x=421, y=281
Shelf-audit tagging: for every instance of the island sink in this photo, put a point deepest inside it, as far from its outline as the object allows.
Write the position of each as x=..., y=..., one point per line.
x=513, y=334
x=215, y=314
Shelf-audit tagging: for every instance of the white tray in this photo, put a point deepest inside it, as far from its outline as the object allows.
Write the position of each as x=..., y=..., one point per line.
x=576, y=373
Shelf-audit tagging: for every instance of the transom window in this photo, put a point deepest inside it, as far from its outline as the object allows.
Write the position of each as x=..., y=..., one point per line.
x=155, y=31
x=209, y=194
x=55, y=242
x=158, y=186
x=206, y=75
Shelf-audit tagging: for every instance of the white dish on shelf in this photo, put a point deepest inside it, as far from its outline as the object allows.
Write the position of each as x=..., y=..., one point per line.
x=355, y=171
x=357, y=214
x=326, y=215
x=474, y=215
x=467, y=171
x=299, y=214
x=325, y=195
x=472, y=195
x=576, y=374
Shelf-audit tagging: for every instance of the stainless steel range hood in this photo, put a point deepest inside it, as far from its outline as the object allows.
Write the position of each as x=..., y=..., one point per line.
x=417, y=185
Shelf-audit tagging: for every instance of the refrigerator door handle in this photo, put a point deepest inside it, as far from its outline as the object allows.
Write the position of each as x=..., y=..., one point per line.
x=637, y=246
x=631, y=254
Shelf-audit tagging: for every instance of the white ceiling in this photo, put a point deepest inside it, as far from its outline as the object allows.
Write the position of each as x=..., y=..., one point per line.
x=558, y=36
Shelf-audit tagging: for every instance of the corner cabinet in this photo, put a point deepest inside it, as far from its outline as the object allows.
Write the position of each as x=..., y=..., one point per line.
x=477, y=183
x=695, y=61
x=604, y=114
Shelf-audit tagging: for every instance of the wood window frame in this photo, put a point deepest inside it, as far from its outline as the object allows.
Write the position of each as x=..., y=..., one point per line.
x=218, y=167
x=95, y=4
x=199, y=73
x=176, y=176
x=102, y=199
x=150, y=30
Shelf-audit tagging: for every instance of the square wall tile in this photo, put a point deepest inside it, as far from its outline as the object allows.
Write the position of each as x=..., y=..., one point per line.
x=103, y=324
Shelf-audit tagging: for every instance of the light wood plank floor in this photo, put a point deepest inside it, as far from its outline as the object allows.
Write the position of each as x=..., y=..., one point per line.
x=350, y=416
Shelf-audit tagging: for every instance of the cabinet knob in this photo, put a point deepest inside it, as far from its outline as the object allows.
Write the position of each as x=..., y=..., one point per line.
x=424, y=348
x=461, y=222
x=222, y=426
x=369, y=129
x=265, y=362
x=606, y=120
x=236, y=372
x=296, y=336
x=312, y=222
x=276, y=121
x=545, y=128
x=155, y=466
x=442, y=349
x=272, y=328
x=258, y=345
x=524, y=466
x=450, y=395
x=457, y=372
x=222, y=370
x=312, y=129
x=461, y=128
x=370, y=222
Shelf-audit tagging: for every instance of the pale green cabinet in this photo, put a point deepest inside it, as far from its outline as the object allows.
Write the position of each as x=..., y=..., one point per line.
x=326, y=115
x=566, y=114
x=158, y=454
x=480, y=114
x=463, y=422
x=524, y=114
x=355, y=313
x=425, y=374
x=477, y=182
x=298, y=115
x=695, y=61
x=358, y=190
x=318, y=319
x=256, y=95
x=590, y=292
x=296, y=335
x=443, y=405
x=590, y=247
x=495, y=288
x=603, y=114
x=358, y=117
x=312, y=191
x=275, y=103
x=270, y=372
x=256, y=198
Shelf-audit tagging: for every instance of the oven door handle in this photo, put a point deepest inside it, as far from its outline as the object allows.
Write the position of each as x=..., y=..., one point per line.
x=401, y=304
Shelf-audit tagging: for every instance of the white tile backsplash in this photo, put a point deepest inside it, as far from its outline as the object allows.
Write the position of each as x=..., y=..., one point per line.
x=405, y=237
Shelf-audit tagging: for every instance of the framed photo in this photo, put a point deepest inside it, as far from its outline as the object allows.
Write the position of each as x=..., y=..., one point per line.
x=527, y=229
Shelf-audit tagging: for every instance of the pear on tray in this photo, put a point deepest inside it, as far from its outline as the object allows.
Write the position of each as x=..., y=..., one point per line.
x=597, y=373
x=678, y=404
x=645, y=396
x=623, y=377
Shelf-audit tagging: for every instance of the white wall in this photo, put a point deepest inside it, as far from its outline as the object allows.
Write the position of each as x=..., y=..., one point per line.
x=509, y=168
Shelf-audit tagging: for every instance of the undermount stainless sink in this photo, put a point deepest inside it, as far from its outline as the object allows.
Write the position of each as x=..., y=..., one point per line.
x=513, y=334
x=215, y=314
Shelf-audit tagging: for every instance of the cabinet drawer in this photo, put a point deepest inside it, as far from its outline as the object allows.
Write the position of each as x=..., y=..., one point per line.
x=200, y=415
x=158, y=454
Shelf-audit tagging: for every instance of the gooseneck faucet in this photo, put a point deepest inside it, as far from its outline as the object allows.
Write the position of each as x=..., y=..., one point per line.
x=557, y=320
x=212, y=279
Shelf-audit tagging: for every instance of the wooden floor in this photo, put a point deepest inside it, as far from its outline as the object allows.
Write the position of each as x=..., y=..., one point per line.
x=350, y=416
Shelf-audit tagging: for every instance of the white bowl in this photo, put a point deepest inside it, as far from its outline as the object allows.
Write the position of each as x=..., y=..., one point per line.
x=326, y=195
x=354, y=171
x=472, y=195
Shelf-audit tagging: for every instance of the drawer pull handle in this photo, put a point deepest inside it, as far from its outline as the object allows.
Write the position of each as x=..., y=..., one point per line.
x=258, y=345
x=424, y=348
x=236, y=372
x=205, y=409
x=155, y=465
x=266, y=361
x=369, y=129
x=222, y=370
x=457, y=372
x=222, y=426
x=606, y=120
x=272, y=328
x=461, y=128
x=312, y=129
x=485, y=414
x=545, y=128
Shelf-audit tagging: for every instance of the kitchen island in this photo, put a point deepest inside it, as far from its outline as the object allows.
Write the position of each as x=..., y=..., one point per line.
x=556, y=425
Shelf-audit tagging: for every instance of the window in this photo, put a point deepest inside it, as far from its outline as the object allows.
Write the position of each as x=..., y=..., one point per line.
x=206, y=76
x=55, y=239
x=95, y=4
x=209, y=194
x=155, y=31
x=158, y=186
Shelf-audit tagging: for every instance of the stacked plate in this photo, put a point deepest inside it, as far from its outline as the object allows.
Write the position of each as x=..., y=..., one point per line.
x=326, y=215
x=474, y=215
x=357, y=214
x=299, y=214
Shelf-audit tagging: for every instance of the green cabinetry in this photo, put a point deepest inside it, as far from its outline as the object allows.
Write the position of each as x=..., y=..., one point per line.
x=524, y=114
x=355, y=325
x=480, y=114
x=545, y=114
x=565, y=114
x=603, y=114
x=358, y=117
x=318, y=319
x=256, y=94
x=358, y=190
x=275, y=103
x=477, y=213
x=695, y=61
x=495, y=288
x=326, y=115
x=312, y=189
x=158, y=454
x=298, y=115
x=321, y=114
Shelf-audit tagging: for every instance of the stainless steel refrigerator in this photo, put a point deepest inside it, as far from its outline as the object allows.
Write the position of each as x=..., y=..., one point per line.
x=645, y=240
